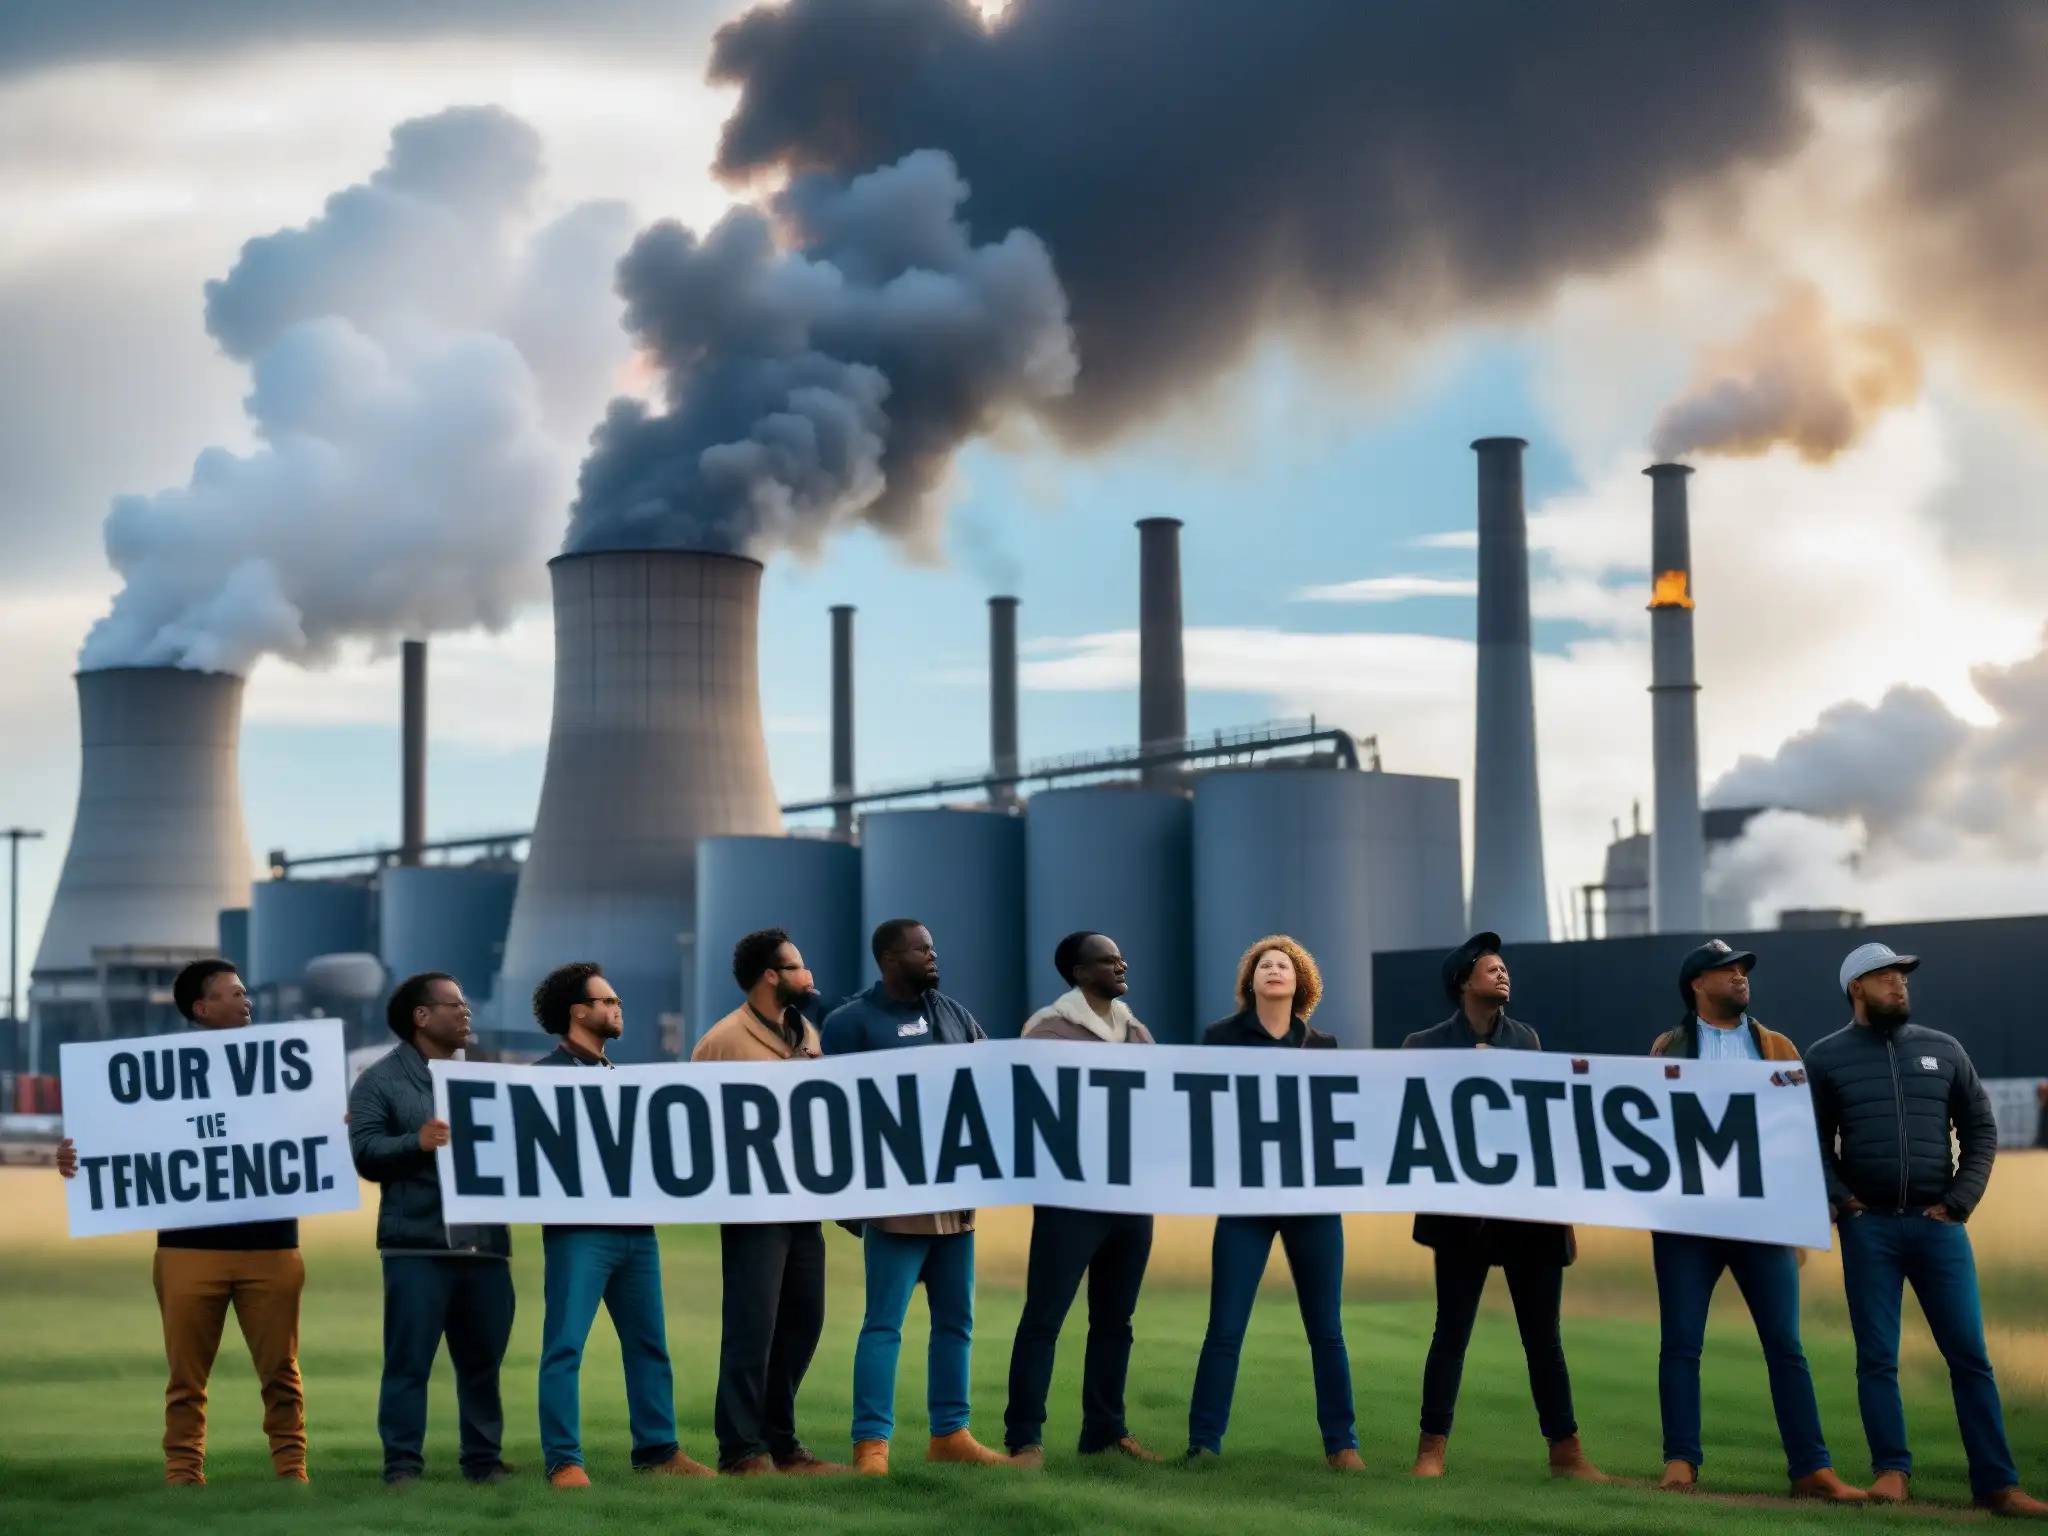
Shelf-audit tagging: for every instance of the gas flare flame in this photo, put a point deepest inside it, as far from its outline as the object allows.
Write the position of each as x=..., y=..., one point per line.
x=1670, y=590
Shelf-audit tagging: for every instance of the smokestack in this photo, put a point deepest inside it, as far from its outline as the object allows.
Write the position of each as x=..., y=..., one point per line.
x=412, y=659
x=1002, y=696
x=1508, y=892
x=656, y=742
x=1162, y=680
x=158, y=848
x=842, y=713
x=1678, y=848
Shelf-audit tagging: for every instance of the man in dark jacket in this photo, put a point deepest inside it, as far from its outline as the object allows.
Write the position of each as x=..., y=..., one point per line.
x=439, y=1281
x=1534, y=1255
x=1887, y=1093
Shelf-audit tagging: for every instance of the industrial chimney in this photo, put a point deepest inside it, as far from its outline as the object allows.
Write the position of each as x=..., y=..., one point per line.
x=412, y=660
x=1162, y=680
x=1507, y=812
x=158, y=848
x=842, y=715
x=1678, y=849
x=656, y=742
x=1002, y=698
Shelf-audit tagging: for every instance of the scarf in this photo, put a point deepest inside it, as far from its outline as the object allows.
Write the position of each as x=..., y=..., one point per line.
x=1074, y=1008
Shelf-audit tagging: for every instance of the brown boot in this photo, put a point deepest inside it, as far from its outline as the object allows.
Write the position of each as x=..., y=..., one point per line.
x=803, y=1464
x=1890, y=1488
x=1826, y=1486
x=1679, y=1477
x=1128, y=1446
x=2013, y=1502
x=1429, y=1455
x=569, y=1476
x=871, y=1458
x=1567, y=1459
x=961, y=1446
x=753, y=1466
x=1346, y=1460
x=1030, y=1457
x=678, y=1465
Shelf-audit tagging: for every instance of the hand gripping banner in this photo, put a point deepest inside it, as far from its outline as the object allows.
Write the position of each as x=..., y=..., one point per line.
x=1718, y=1149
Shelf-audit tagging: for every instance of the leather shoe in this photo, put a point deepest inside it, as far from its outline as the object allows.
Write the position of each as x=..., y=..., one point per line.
x=753, y=1466
x=802, y=1463
x=1346, y=1460
x=960, y=1446
x=1030, y=1457
x=1430, y=1451
x=871, y=1458
x=569, y=1476
x=1127, y=1445
x=678, y=1465
x=496, y=1472
x=1679, y=1477
x=1568, y=1459
x=2013, y=1502
x=1825, y=1485
x=1890, y=1488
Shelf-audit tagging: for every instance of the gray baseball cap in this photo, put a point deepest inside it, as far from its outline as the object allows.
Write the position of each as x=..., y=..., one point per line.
x=1865, y=958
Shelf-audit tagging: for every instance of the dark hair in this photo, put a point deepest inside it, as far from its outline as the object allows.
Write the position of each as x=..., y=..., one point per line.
x=560, y=990
x=755, y=954
x=1067, y=953
x=888, y=933
x=410, y=996
x=192, y=982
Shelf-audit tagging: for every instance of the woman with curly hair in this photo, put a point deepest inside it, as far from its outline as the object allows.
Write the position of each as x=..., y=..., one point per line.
x=1278, y=987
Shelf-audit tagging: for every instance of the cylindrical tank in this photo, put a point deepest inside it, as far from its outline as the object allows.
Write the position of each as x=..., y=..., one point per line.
x=961, y=874
x=1118, y=860
x=809, y=886
x=440, y=917
x=1346, y=862
x=292, y=921
x=234, y=937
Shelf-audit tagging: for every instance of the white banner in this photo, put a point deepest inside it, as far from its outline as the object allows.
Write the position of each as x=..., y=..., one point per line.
x=207, y=1127
x=1720, y=1149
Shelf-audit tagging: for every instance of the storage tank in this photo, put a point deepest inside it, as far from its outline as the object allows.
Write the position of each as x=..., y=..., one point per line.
x=446, y=917
x=1119, y=860
x=293, y=921
x=961, y=873
x=234, y=937
x=810, y=886
x=1346, y=862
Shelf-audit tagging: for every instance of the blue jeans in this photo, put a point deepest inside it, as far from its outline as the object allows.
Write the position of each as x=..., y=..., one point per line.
x=621, y=1267
x=1688, y=1269
x=1880, y=1252
x=895, y=1265
x=469, y=1302
x=1237, y=1262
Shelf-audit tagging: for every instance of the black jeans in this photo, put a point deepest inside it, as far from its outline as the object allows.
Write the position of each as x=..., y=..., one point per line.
x=469, y=1302
x=1537, y=1287
x=774, y=1311
x=1113, y=1251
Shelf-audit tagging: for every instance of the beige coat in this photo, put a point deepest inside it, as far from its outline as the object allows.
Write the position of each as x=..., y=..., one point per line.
x=739, y=1036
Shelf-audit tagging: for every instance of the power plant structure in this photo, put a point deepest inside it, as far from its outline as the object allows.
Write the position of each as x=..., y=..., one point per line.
x=1678, y=852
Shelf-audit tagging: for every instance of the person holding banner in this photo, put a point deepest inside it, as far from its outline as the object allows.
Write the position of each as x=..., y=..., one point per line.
x=439, y=1281
x=773, y=1271
x=905, y=1008
x=1714, y=982
x=1278, y=987
x=618, y=1266
x=1112, y=1250
x=1533, y=1255
x=200, y=1272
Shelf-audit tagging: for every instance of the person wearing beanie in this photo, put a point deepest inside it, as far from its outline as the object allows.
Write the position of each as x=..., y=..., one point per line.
x=1713, y=981
x=1533, y=1255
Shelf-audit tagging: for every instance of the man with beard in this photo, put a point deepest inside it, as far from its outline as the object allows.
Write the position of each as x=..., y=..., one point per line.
x=773, y=1271
x=1887, y=1093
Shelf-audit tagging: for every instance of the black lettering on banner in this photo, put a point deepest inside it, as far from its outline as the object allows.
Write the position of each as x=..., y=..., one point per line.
x=1325, y=1130
x=1034, y=1118
x=177, y=1168
x=1656, y=1170
x=1283, y=1130
x=93, y=1167
x=1466, y=1131
x=160, y=1074
x=249, y=1171
x=838, y=1173
x=1537, y=1095
x=1693, y=1133
x=124, y=1081
x=614, y=1150
x=216, y=1159
x=902, y=1132
x=1418, y=1142
x=534, y=1134
x=298, y=1072
x=270, y=1066
x=1201, y=1089
x=123, y=1181
x=465, y=1134
x=964, y=1138
x=755, y=1138
x=661, y=1146
x=1591, y=1172
x=1118, y=1085
x=192, y=1064
x=310, y=1150
x=149, y=1179
x=285, y=1180
x=243, y=1060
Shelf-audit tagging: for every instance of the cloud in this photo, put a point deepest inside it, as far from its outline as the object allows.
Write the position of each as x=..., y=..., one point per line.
x=1388, y=589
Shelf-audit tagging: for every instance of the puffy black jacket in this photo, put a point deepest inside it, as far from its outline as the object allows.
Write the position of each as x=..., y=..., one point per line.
x=1885, y=1105
x=389, y=1103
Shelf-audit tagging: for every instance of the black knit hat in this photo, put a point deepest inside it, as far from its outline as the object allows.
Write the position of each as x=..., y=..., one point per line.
x=1459, y=962
x=1710, y=956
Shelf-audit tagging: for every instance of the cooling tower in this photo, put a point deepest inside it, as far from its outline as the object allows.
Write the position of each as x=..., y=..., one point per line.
x=158, y=849
x=656, y=742
x=1678, y=850
x=1507, y=815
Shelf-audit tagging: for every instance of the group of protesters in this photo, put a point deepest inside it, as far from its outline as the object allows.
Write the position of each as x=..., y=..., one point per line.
x=1907, y=1142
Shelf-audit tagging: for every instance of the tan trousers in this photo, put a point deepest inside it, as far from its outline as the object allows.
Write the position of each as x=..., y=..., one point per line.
x=194, y=1287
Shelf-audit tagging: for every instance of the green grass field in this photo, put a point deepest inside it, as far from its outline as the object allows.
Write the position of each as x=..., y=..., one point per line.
x=81, y=1383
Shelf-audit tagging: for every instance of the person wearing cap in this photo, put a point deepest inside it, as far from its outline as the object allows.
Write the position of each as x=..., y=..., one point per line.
x=1533, y=1255
x=1713, y=980
x=1888, y=1095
